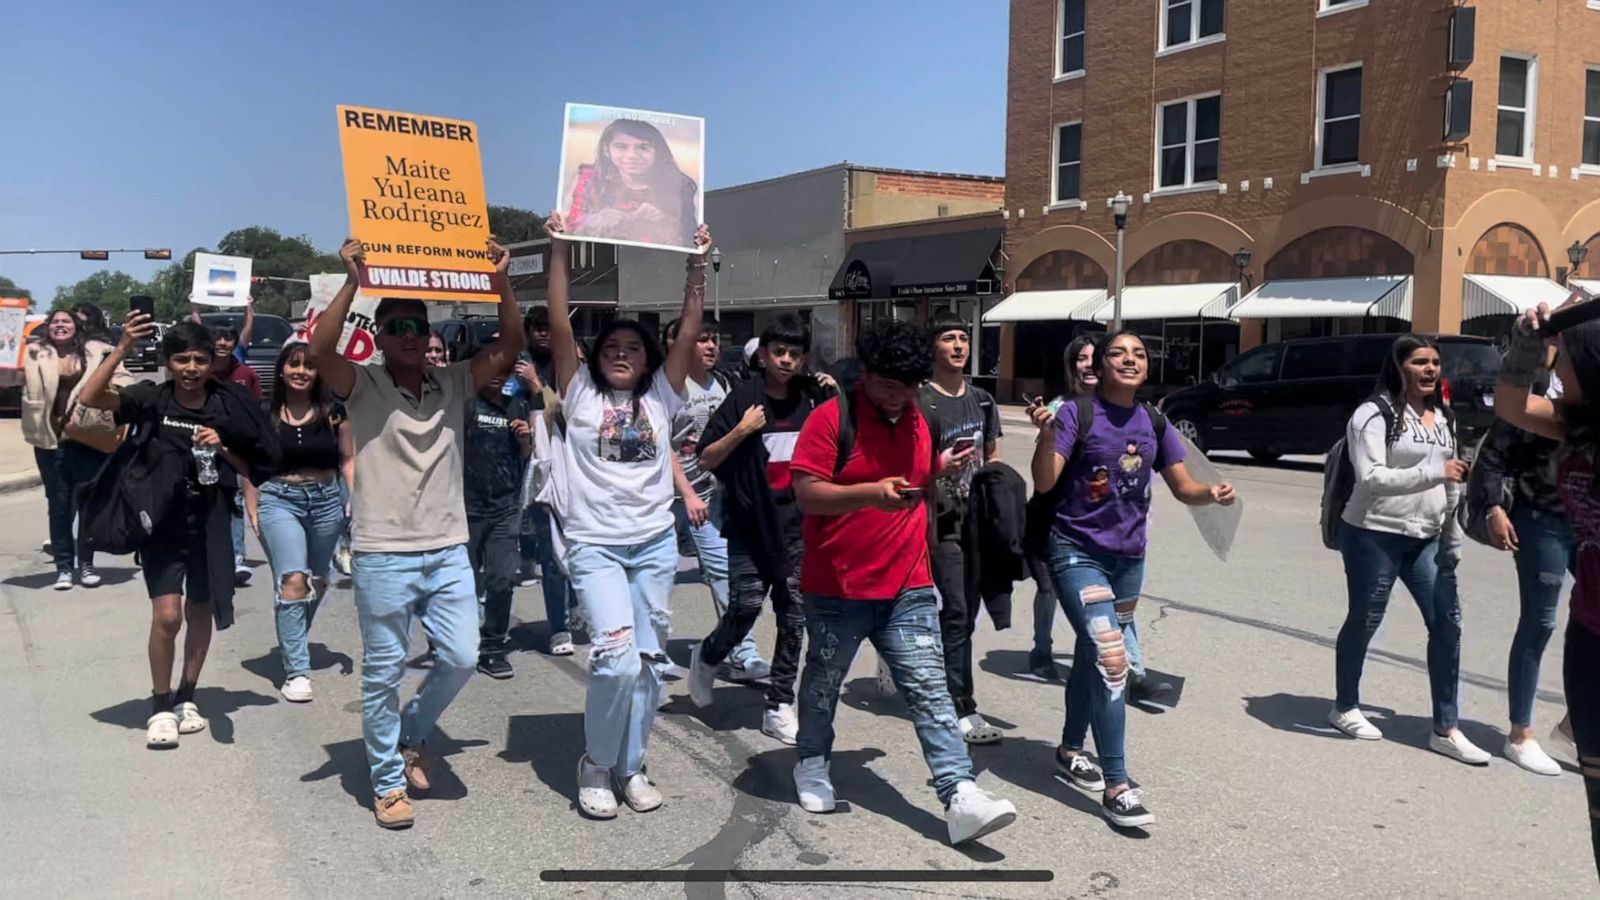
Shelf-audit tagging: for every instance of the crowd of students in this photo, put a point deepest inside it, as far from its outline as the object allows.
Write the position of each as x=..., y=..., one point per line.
x=861, y=516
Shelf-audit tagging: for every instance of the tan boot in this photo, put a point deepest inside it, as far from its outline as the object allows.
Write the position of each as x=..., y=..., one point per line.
x=393, y=810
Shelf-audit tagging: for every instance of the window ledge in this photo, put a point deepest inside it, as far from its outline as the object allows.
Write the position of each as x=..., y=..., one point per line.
x=1206, y=41
x=1594, y=4
x=1513, y=162
x=1065, y=205
x=1344, y=7
x=1587, y=170
x=1204, y=187
x=1074, y=75
x=1361, y=169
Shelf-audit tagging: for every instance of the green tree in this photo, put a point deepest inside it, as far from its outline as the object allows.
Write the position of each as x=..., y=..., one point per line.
x=108, y=289
x=10, y=288
x=276, y=256
x=510, y=225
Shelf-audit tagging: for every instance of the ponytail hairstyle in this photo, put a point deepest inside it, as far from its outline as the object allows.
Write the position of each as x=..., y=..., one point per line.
x=1391, y=386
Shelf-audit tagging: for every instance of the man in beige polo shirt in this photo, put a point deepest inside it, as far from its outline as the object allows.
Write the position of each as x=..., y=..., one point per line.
x=410, y=531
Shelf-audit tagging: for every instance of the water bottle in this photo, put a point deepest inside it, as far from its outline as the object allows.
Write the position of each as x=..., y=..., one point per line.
x=1097, y=626
x=205, y=459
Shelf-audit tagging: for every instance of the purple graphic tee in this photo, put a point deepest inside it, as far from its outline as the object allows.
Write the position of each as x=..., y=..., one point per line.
x=1103, y=496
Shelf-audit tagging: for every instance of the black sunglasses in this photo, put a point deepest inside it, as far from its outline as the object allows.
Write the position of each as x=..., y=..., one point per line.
x=405, y=327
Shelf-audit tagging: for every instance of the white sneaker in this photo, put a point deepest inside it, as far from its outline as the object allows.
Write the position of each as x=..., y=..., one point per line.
x=595, y=797
x=1532, y=757
x=189, y=719
x=640, y=794
x=63, y=580
x=974, y=812
x=561, y=644
x=812, y=784
x=1456, y=746
x=885, y=679
x=701, y=679
x=297, y=689
x=89, y=577
x=161, y=731
x=1353, y=723
x=781, y=724
x=975, y=729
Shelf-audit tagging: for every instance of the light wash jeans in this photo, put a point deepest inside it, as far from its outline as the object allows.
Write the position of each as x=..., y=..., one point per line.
x=392, y=589
x=623, y=593
x=712, y=550
x=300, y=526
x=905, y=632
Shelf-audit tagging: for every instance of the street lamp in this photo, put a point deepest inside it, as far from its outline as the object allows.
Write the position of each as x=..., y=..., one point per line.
x=1576, y=254
x=1119, y=215
x=1241, y=261
x=716, y=288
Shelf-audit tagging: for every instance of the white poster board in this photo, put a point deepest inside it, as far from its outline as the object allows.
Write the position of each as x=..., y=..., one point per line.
x=1218, y=525
x=357, y=341
x=221, y=280
x=632, y=176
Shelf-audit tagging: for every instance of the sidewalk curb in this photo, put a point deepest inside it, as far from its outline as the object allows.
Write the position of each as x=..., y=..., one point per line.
x=18, y=481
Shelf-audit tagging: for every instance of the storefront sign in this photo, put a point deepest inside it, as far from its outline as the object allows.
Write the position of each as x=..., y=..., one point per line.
x=945, y=288
x=857, y=282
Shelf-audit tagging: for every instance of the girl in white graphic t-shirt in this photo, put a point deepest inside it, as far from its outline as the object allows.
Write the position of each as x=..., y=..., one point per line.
x=617, y=523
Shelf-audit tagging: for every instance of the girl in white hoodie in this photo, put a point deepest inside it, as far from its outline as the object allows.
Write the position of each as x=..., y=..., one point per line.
x=1399, y=525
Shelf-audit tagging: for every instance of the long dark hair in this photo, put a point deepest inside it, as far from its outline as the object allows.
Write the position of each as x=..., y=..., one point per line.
x=653, y=358
x=74, y=346
x=1072, y=383
x=321, y=397
x=93, y=325
x=1103, y=346
x=669, y=187
x=1580, y=345
x=1391, y=384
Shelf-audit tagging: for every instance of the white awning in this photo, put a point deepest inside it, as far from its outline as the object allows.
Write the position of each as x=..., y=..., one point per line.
x=1507, y=295
x=1047, y=306
x=1338, y=298
x=1172, y=301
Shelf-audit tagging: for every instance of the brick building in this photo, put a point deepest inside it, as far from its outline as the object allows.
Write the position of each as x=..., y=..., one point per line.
x=1311, y=135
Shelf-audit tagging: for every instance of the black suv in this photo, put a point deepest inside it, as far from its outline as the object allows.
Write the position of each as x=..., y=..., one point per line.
x=267, y=337
x=1297, y=396
x=462, y=335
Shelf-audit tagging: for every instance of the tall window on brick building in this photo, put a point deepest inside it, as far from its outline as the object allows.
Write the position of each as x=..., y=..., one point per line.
x=1069, y=59
x=1190, y=142
x=1513, y=136
x=1069, y=163
x=1591, y=118
x=1339, y=119
x=1188, y=21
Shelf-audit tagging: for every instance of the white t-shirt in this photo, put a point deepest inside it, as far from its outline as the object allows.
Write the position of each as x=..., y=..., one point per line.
x=618, y=465
x=689, y=424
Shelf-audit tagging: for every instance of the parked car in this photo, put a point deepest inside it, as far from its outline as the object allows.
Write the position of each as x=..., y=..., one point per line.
x=461, y=335
x=267, y=337
x=146, y=357
x=1295, y=397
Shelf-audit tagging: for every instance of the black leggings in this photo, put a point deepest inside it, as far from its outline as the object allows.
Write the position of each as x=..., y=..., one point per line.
x=1581, y=674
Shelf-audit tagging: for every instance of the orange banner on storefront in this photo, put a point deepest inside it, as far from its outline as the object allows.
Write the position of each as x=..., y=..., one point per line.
x=14, y=330
x=415, y=189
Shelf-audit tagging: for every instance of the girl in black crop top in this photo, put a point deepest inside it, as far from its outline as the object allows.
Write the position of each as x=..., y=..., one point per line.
x=300, y=513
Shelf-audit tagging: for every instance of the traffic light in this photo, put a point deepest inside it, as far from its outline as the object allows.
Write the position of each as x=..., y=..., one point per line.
x=94, y=254
x=161, y=253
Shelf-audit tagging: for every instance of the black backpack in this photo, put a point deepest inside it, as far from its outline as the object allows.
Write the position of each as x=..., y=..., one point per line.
x=1085, y=404
x=121, y=506
x=1339, y=476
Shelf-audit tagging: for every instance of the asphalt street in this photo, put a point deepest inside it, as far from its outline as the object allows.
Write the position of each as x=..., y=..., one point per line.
x=1254, y=795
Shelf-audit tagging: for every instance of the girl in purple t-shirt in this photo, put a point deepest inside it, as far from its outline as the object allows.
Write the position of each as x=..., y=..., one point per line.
x=1097, y=547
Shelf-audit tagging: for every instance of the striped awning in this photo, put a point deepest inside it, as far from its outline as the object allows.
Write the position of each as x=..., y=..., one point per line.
x=1507, y=295
x=1336, y=298
x=1172, y=301
x=1048, y=306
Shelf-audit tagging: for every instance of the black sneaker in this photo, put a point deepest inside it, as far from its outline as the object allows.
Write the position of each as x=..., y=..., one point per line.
x=1080, y=771
x=495, y=666
x=1126, y=810
x=1142, y=688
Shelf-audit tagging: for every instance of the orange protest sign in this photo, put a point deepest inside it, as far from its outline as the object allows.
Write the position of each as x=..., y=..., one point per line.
x=14, y=330
x=415, y=189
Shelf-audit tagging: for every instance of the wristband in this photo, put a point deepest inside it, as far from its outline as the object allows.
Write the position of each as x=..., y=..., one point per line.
x=1522, y=360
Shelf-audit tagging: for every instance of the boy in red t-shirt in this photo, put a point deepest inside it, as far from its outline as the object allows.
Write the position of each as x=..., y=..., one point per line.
x=866, y=576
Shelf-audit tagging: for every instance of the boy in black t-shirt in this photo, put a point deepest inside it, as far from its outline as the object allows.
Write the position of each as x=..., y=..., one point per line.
x=965, y=425
x=498, y=444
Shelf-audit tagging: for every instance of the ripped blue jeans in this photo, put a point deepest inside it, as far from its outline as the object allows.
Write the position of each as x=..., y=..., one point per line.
x=622, y=594
x=905, y=632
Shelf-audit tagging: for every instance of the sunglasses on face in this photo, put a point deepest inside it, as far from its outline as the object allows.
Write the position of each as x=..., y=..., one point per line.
x=407, y=327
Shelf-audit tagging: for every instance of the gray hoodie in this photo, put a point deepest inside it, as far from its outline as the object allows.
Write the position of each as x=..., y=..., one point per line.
x=1400, y=489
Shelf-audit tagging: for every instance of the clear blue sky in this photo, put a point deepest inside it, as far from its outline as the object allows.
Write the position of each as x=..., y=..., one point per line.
x=137, y=124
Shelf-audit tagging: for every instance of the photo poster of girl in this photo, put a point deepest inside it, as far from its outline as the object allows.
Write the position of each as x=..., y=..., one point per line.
x=632, y=176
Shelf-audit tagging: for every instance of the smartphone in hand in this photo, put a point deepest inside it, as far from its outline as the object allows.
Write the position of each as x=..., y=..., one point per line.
x=142, y=303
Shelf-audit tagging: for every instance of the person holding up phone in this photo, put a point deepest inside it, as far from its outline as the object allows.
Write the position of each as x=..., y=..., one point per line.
x=965, y=423
x=860, y=467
